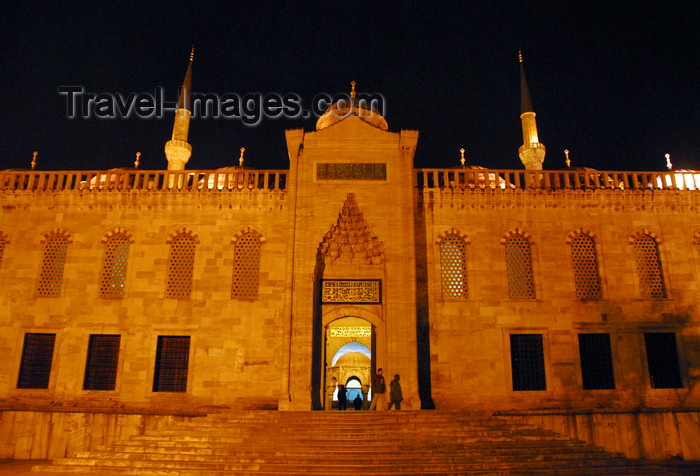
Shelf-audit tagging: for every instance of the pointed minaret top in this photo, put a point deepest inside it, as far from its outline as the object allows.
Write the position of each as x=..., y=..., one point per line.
x=352, y=91
x=525, y=101
x=184, y=100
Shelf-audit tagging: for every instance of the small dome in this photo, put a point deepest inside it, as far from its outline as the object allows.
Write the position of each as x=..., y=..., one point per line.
x=352, y=106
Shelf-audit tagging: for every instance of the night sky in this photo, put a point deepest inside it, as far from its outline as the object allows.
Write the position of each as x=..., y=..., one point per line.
x=618, y=85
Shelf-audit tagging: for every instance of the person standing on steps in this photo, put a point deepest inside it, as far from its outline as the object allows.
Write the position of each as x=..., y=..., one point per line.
x=342, y=398
x=378, y=391
x=395, y=396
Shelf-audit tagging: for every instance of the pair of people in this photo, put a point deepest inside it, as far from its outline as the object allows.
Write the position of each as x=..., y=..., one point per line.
x=379, y=392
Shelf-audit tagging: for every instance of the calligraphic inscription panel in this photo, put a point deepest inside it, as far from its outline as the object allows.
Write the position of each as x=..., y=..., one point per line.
x=346, y=331
x=329, y=171
x=353, y=291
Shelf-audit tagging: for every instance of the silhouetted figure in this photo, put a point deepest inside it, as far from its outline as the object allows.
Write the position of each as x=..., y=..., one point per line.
x=342, y=398
x=357, y=403
x=395, y=396
x=378, y=391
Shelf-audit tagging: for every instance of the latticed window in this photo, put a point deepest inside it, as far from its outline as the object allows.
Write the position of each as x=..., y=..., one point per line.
x=453, y=267
x=596, y=361
x=37, y=354
x=180, y=267
x=527, y=360
x=662, y=359
x=246, y=267
x=172, y=361
x=2, y=248
x=651, y=281
x=115, y=260
x=52, y=264
x=585, y=262
x=519, y=267
x=102, y=361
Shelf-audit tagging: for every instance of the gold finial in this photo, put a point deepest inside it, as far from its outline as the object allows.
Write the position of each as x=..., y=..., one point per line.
x=34, y=159
x=240, y=159
x=192, y=54
x=352, y=91
x=138, y=160
x=520, y=56
x=568, y=161
x=462, y=160
x=669, y=165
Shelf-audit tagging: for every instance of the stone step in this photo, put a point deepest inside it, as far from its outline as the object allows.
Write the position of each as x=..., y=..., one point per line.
x=366, y=443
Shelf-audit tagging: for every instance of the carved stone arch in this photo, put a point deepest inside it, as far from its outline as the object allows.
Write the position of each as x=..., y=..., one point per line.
x=571, y=236
x=248, y=230
x=643, y=231
x=517, y=231
x=338, y=312
x=452, y=231
x=56, y=232
x=182, y=231
x=117, y=231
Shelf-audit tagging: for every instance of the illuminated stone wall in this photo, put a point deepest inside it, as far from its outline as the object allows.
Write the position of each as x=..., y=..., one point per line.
x=470, y=338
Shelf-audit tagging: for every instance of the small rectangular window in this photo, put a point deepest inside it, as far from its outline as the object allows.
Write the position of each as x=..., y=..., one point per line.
x=172, y=360
x=102, y=360
x=662, y=358
x=37, y=355
x=527, y=359
x=596, y=361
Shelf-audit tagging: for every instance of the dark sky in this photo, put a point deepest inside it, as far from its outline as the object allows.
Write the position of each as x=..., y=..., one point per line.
x=618, y=84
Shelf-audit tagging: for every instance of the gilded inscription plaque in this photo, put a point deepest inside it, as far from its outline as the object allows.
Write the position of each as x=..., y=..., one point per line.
x=352, y=291
x=331, y=171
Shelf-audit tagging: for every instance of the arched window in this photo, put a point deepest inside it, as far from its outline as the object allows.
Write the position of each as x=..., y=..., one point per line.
x=246, y=267
x=519, y=267
x=180, y=266
x=116, y=257
x=453, y=267
x=52, y=264
x=651, y=280
x=584, y=259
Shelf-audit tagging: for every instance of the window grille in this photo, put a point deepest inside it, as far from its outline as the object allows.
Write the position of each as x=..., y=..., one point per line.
x=519, y=267
x=102, y=360
x=651, y=281
x=527, y=359
x=180, y=267
x=37, y=354
x=596, y=361
x=116, y=257
x=453, y=266
x=172, y=360
x=662, y=359
x=246, y=267
x=52, y=264
x=585, y=263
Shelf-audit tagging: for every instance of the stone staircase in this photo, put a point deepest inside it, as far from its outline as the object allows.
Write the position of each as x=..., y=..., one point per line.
x=351, y=442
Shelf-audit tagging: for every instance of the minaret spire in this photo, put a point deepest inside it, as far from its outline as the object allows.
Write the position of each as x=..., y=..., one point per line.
x=177, y=149
x=532, y=151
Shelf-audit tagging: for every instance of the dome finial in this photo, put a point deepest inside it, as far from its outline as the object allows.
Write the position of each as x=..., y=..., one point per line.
x=241, y=159
x=192, y=54
x=568, y=161
x=462, y=160
x=520, y=56
x=138, y=160
x=352, y=91
x=34, y=159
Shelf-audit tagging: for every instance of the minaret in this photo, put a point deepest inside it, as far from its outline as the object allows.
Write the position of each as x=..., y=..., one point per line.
x=532, y=151
x=177, y=149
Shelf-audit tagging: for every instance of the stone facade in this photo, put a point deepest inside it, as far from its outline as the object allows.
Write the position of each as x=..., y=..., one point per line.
x=441, y=268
